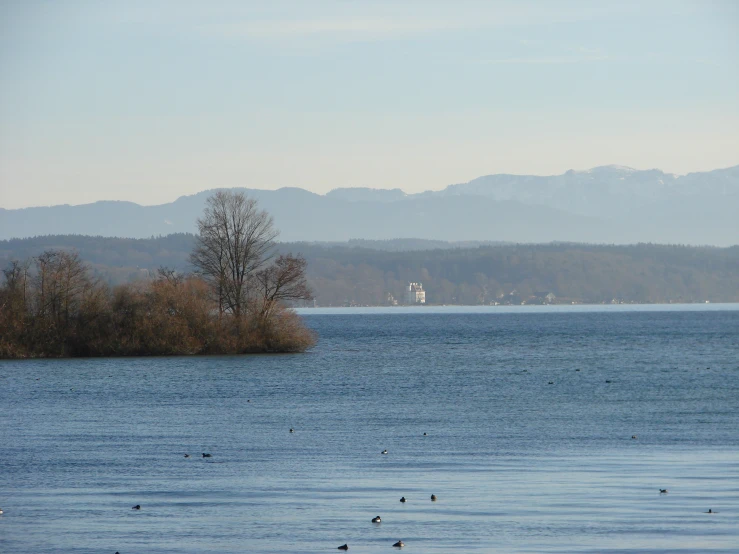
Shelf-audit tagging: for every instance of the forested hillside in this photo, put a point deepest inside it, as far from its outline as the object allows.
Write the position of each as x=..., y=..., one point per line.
x=347, y=274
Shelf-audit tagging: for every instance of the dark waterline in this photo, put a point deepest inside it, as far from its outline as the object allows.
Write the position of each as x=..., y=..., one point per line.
x=518, y=464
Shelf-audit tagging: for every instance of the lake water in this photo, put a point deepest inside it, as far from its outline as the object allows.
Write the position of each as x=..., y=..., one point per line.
x=528, y=414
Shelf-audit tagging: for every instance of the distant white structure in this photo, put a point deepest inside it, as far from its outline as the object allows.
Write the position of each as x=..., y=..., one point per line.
x=415, y=294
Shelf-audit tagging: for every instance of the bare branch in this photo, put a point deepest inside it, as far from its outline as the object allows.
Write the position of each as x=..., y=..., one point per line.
x=283, y=281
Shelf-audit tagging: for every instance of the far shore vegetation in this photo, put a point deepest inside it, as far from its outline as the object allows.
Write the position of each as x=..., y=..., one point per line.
x=369, y=273
x=235, y=302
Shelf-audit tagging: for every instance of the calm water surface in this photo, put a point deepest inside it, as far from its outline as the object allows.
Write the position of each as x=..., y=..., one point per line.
x=529, y=416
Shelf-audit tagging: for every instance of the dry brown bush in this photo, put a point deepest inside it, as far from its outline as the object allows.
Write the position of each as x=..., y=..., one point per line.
x=173, y=315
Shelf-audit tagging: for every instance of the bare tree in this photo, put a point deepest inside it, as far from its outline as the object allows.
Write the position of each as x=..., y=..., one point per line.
x=283, y=281
x=16, y=281
x=235, y=240
x=60, y=285
x=61, y=281
x=13, y=303
x=169, y=274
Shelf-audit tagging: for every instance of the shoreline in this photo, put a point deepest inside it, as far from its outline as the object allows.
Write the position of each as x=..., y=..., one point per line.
x=516, y=308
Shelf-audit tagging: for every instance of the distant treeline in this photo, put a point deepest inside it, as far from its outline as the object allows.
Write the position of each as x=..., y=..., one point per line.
x=527, y=273
x=352, y=274
x=116, y=260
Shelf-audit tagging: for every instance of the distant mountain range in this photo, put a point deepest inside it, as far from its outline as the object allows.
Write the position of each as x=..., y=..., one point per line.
x=609, y=204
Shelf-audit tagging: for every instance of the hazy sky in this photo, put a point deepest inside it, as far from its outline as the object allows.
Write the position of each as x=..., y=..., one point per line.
x=147, y=101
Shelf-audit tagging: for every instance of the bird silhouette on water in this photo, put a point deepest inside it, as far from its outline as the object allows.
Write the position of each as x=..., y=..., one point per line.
x=433, y=498
x=343, y=547
x=384, y=451
x=136, y=507
x=663, y=491
x=207, y=455
x=402, y=498
x=377, y=519
x=399, y=544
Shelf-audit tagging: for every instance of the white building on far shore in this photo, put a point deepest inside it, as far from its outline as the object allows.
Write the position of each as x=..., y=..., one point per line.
x=415, y=294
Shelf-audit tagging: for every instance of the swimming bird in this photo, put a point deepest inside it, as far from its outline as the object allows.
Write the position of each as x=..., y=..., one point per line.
x=292, y=430
x=633, y=436
x=608, y=381
x=343, y=547
x=136, y=507
x=663, y=491
x=384, y=451
x=710, y=511
x=551, y=382
x=425, y=435
x=207, y=455
x=187, y=455
x=433, y=498
x=377, y=519
x=399, y=544
x=402, y=498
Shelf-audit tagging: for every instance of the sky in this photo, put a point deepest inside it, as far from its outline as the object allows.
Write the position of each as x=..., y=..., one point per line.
x=150, y=100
